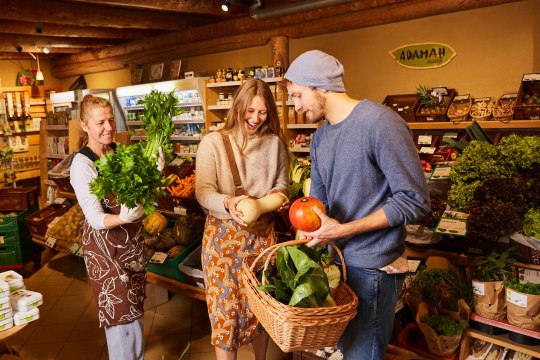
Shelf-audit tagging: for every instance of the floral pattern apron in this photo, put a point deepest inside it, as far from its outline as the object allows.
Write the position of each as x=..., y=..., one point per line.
x=116, y=265
x=225, y=244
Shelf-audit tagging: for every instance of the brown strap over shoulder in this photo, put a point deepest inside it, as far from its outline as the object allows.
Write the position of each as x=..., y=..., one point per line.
x=238, y=189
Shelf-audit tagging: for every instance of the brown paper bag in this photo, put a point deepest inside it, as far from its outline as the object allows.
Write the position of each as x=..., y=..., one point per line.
x=489, y=299
x=523, y=310
x=438, y=344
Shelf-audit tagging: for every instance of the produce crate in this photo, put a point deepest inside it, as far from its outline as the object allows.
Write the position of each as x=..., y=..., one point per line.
x=528, y=100
x=439, y=116
x=405, y=105
x=169, y=202
x=38, y=222
x=191, y=268
x=15, y=220
x=18, y=199
x=170, y=267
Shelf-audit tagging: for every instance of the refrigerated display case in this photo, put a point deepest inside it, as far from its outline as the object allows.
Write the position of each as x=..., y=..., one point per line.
x=59, y=134
x=189, y=125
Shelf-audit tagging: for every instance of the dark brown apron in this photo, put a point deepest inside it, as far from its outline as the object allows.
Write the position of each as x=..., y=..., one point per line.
x=116, y=267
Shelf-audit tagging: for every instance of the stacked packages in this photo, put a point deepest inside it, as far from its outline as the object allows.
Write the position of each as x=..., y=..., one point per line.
x=17, y=305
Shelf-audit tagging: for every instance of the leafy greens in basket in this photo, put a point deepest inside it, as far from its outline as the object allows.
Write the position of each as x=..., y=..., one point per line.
x=130, y=173
x=300, y=279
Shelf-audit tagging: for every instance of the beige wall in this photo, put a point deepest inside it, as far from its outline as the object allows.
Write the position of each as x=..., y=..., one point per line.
x=495, y=46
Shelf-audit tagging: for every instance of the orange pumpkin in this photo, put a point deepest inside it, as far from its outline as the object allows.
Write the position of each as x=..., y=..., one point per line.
x=155, y=223
x=302, y=215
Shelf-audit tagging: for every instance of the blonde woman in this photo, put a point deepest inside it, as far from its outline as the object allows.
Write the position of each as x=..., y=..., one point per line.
x=112, y=239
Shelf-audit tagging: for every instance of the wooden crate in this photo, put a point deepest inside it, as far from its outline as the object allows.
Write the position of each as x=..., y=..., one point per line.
x=405, y=105
x=17, y=199
x=438, y=116
x=529, y=88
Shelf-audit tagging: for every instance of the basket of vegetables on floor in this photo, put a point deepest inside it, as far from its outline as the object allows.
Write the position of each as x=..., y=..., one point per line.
x=489, y=272
x=130, y=172
x=299, y=296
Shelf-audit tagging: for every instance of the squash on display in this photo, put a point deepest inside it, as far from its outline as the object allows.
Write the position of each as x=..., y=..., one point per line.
x=188, y=228
x=155, y=223
x=251, y=209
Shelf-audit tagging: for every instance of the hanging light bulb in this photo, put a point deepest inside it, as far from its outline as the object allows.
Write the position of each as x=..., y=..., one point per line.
x=39, y=74
x=226, y=5
x=46, y=50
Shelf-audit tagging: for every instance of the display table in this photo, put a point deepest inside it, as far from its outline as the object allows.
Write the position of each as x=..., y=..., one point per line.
x=6, y=334
x=176, y=286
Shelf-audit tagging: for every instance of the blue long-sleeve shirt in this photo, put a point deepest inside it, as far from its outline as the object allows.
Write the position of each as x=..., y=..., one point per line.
x=366, y=162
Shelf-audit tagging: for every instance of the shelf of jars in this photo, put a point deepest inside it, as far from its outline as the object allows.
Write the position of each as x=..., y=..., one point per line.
x=494, y=124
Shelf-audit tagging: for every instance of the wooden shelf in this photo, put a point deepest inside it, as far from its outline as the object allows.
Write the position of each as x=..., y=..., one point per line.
x=176, y=286
x=238, y=83
x=448, y=125
x=302, y=126
x=56, y=127
x=65, y=194
x=501, y=340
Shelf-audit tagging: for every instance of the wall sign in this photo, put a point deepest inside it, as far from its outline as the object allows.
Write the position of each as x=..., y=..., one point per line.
x=423, y=56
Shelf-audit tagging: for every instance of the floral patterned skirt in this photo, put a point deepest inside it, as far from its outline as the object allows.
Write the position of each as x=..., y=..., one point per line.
x=224, y=246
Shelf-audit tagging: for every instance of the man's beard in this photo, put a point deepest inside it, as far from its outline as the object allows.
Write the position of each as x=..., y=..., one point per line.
x=319, y=112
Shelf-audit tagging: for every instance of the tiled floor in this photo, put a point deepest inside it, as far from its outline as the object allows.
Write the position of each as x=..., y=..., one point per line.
x=68, y=327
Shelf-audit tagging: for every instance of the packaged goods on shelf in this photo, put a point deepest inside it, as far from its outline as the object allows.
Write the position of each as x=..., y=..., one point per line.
x=6, y=324
x=25, y=300
x=23, y=317
x=4, y=289
x=5, y=303
x=14, y=280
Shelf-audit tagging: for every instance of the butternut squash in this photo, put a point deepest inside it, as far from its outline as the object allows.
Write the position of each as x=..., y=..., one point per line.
x=251, y=209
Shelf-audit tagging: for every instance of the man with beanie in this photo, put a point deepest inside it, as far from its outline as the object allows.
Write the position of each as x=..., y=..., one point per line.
x=366, y=171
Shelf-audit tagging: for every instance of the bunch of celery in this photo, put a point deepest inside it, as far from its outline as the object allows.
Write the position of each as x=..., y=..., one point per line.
x=131, y=173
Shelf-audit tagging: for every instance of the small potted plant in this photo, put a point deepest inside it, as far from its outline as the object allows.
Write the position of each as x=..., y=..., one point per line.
x=488, y=291
x=523, y=302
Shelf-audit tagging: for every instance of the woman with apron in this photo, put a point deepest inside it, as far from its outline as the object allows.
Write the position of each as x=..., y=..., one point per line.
x=112, y=238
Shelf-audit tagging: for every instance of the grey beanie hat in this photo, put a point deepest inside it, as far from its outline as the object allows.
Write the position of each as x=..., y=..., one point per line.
x=317, y=69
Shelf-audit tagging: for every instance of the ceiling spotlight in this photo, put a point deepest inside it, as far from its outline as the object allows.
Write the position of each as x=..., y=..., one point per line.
x=39, y=74
x=46, y=50
x=17, y=47
x=226, y=5
x=39, y=28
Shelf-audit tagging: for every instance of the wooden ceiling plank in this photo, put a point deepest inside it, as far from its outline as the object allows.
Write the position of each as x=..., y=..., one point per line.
x=50, y=29
x=53, y=41
x=338, y=18
x=229, y=27
x=181, y=6
x=62, y=12
x=391, y=13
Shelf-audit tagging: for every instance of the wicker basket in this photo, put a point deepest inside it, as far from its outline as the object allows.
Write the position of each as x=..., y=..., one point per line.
x=503, y=110
x=481, y=111
x=293, y=328
x=459, y=110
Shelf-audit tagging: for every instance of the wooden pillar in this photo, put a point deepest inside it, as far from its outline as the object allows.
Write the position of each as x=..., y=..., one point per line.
x=280, y=50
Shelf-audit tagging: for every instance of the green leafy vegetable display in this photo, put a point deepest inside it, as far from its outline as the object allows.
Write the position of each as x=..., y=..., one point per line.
x=445, y=325
x=131, y=173
x=495, y=266
x=300, y=280
x=528, y=288
x=531, y=223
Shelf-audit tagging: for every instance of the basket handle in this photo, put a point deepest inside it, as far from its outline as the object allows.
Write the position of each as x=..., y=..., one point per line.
x=272, y=249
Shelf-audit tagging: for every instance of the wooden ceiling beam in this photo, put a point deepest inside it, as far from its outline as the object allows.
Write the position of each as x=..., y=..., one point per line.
x=212, y=7
x=196, y=42
x=62, y=12
x=50, y=29
x=229, y=27
x=53, y=41
x=22, y=56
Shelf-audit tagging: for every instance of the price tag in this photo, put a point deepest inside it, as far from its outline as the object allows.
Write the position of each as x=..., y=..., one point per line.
x=80, y=252
x=425, y=139
x=441, y=173
x=73, y=248
x=516, y=298
x=180, y=210
x=1, y=239
x=452, y=223
x=450, y=134
x=427, y=150
x=158, y=257
x=59, y=201
x=50, y=242
x=478, y=288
